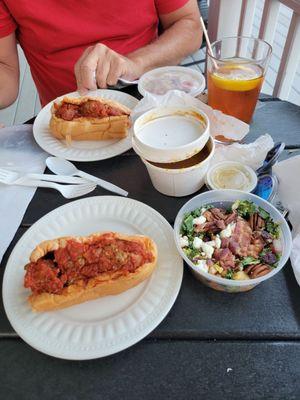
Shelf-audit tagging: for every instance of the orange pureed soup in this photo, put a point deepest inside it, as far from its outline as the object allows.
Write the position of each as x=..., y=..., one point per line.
x=234, y=88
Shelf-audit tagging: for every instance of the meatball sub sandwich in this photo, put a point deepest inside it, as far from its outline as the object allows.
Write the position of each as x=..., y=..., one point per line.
x=71, y=270
x=89, y=118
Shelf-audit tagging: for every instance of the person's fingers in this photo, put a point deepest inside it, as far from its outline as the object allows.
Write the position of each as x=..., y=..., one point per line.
x=86, y=70
x=116, y=70
x=103, y=68
x=81, y=89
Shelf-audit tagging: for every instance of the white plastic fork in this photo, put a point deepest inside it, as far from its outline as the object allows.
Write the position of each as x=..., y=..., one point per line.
x=68, y=191
x=17, y=177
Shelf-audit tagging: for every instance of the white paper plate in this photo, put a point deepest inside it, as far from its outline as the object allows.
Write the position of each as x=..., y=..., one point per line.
x=107, y=325
x=83, y=150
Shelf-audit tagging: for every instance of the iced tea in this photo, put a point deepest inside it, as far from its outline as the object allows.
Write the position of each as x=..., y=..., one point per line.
x=233, y=88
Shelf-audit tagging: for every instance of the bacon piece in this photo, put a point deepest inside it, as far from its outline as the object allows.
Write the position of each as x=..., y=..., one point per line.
x=218, y=213
x=241, y=238
x=225, y=258
x=225, y=242
x=257, y=244
x=220, y=224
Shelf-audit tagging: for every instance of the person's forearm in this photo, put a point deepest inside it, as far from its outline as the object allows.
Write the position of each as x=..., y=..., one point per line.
x=181, y=39
x=9, y=83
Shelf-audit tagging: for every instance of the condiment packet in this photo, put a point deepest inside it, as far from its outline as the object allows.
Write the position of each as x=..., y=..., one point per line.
x=220, y=124
x=289, y=194
x=252, y=154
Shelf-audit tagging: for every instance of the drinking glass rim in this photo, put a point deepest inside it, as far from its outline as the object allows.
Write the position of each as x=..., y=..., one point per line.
x=270, y=48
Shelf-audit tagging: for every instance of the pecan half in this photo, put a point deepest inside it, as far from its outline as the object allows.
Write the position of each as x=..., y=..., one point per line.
x=256, y=222
x=255, y=271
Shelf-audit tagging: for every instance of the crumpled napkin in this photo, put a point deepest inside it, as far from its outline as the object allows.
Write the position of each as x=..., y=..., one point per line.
x=19, y=152
x=288, y=173
x=252, y=154
x=220, y=124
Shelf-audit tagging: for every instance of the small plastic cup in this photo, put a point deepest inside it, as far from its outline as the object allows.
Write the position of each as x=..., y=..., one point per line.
x=231, y=175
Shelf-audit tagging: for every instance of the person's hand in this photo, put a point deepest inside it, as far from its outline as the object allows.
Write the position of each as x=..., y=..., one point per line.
x=99, y=66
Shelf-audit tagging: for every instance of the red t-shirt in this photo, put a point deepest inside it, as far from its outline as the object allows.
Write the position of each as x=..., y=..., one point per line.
x=54, y=33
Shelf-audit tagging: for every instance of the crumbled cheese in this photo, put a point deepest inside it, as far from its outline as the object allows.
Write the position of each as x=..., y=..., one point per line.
x=218, y=242
x=215, y=243
x=197, y=243
x=184, y=241
x=207, y=249
x=227, y=232
x=199, y=220
x=201, y=264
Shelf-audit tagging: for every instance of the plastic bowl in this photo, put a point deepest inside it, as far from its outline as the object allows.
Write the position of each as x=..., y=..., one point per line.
x=160, y=80
x=225, y=198
x=179, y=182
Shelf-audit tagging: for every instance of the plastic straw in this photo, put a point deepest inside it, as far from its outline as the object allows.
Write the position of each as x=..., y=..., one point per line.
x=208, y=42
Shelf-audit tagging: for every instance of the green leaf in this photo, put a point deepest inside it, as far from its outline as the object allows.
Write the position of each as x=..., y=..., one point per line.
x=244, y=208
x=191, y=253
x=264, y=214
x=273, y=228
x=229, y=274
x=188, y=222
x=249, y=261
x=196, y=213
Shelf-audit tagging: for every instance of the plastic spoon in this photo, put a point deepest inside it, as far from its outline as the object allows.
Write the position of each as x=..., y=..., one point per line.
x=63, y=167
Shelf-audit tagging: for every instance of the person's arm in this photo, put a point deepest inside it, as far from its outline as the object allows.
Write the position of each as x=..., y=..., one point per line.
x=9, y=70
x=182, y=36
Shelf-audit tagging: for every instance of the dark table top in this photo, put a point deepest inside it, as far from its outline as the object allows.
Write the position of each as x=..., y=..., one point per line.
x=211, y=344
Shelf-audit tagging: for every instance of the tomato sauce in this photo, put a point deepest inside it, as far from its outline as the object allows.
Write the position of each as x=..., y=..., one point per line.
x=87, y=109
x=78, y=261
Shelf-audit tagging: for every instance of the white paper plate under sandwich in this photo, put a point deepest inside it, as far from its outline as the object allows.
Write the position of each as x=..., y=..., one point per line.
x=171, y=133
x=109, y=324
x=82, y=150
x=160, y=80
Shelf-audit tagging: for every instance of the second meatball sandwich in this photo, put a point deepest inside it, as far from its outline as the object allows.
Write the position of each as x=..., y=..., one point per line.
x=89, y=118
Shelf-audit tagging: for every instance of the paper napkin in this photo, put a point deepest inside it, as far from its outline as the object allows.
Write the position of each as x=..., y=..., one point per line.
x=19, y=152
x=288, y=173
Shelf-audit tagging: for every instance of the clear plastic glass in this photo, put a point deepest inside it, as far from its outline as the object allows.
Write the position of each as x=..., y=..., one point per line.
x=235, y=74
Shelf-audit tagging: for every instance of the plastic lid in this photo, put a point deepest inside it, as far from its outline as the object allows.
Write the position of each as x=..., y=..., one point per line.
x=160, y=80
x=171, y=134
x=231, y=175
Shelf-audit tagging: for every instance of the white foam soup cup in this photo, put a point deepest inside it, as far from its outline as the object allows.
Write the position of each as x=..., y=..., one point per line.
x=170, y=134
x=180, y=178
